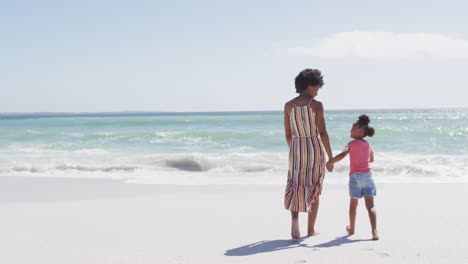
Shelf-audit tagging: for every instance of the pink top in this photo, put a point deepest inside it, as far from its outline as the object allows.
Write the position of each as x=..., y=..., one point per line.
x=359, y=154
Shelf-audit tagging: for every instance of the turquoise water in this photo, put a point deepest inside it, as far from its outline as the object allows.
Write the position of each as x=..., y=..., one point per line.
x=202, y=148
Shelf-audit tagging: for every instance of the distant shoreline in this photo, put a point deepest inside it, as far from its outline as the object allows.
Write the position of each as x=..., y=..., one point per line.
x=18, y=115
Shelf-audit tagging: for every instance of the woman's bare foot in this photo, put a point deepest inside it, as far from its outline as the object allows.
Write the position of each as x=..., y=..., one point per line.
x=295, y=234
x=375, y=236
x=350, y=230
x=312, y=233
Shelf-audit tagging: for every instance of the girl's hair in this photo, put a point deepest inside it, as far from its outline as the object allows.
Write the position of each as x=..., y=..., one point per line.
x=363, y=122
x=308, y=77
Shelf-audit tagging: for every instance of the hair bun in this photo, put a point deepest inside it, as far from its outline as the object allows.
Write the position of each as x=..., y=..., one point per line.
x=364, y=120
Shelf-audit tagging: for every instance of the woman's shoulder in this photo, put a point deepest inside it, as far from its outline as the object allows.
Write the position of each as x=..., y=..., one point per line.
x=289, y=105
x=317, y=106
x=314, y=101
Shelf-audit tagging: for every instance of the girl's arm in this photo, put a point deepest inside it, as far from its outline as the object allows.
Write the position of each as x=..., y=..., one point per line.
x=371, y=157
x=340, y=156
x=287, y=126
x=337, y=158
x=323, y=130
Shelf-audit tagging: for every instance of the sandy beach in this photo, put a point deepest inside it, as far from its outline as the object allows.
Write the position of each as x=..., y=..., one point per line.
x=51, y=220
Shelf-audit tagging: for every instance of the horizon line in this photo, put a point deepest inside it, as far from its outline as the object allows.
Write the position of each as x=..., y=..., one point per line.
x=222, y=111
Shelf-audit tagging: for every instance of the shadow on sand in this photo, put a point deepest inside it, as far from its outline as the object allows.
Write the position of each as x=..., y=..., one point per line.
x=265, y=246
x=283, y=244
x=340, y=241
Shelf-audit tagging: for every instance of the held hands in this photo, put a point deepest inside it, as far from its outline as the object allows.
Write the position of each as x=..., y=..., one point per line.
x=330, y=166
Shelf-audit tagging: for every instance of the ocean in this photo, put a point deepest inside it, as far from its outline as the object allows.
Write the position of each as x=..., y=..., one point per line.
x=411, y=145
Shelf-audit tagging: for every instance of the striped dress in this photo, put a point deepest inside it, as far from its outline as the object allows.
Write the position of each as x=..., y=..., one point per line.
x=306, y=161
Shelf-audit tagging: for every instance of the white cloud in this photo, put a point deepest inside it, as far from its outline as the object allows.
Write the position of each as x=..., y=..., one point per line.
x=387, y=45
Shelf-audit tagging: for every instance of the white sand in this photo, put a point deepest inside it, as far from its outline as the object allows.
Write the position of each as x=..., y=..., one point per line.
x=45, y=220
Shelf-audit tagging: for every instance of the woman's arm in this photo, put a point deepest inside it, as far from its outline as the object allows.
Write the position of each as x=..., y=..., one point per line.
x=323, y=130
x=287, y=126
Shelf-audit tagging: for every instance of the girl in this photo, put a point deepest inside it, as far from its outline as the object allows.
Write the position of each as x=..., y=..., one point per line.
x=360, y=175
x=306, y=135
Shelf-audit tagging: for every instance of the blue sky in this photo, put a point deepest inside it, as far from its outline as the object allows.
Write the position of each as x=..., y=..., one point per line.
x=90, y=56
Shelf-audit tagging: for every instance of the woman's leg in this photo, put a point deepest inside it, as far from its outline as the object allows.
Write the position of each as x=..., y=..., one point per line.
x=295, y=234
x=353, y=203
x=372, y=215
x=312, y=212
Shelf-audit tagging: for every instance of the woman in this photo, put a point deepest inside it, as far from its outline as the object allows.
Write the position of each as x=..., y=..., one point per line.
x=307, y=137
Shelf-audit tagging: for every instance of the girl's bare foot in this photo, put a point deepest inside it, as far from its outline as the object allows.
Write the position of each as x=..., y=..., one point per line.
x=312, y=233
x=350, y=230
x=375, y=236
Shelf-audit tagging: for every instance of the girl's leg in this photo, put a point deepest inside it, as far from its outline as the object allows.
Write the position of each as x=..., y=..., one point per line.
x=313, y=211
x=295, y=234
x=372, y=215
x=353, y=203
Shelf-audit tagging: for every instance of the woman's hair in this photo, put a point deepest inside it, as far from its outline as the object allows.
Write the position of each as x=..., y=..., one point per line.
x=363, y=122
x=308, y=77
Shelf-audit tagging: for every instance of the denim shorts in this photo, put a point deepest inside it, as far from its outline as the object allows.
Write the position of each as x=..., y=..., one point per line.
x=361, y=184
